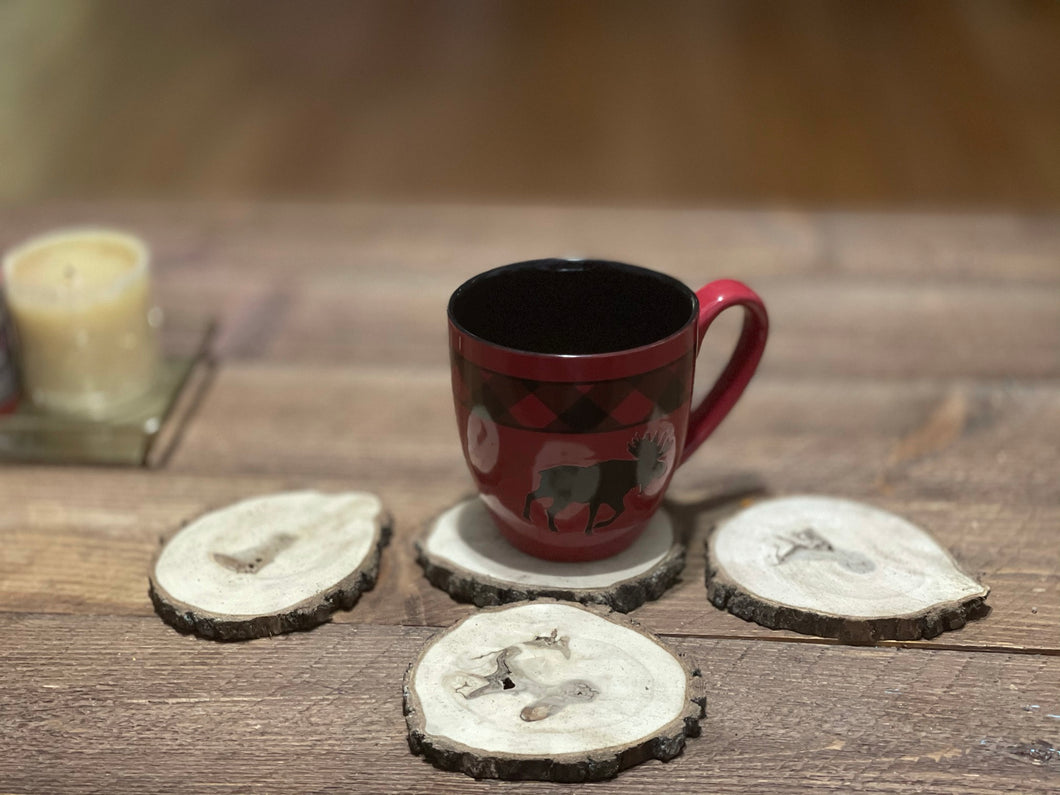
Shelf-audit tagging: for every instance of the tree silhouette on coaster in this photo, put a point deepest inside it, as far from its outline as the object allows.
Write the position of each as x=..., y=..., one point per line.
x=836, y=568
x=270, y=564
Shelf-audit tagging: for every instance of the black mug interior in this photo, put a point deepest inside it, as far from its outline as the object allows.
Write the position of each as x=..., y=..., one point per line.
x=557, y=306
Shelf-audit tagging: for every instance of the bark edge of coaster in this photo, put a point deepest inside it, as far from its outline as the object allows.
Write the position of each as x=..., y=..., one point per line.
x=831, y=552
x=456, y=562
x=542, y=623
x=235, y=543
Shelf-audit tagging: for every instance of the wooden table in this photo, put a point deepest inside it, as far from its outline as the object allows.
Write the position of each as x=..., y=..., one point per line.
x=914, y=364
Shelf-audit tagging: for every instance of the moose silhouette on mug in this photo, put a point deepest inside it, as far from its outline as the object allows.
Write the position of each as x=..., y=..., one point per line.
x=602, y=483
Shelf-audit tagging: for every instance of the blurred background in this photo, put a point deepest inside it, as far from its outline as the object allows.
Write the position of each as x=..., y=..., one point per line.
x=833, y=104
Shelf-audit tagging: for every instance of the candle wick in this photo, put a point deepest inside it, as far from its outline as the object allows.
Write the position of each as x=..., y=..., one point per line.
x=70, y=273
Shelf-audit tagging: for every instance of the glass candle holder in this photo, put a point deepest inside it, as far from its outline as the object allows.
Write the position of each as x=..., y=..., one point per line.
x=85, y=324
x=8, y=375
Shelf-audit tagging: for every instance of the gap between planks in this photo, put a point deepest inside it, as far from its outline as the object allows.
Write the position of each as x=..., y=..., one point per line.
x=1042, y=651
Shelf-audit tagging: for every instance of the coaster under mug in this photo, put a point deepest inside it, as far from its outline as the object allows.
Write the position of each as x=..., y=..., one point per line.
x=463, y=553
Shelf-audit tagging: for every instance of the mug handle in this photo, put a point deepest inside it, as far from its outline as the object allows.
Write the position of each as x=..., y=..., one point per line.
x=714, y=299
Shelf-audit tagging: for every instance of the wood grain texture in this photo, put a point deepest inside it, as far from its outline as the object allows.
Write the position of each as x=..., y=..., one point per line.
x=326, y=708
x=850, y=294
x=268, y=528
x=639, y=699
x=365, y=422
x=80, y=543
x=824, y=102
x=873, y=328
x=285, y=242
x=786, y=563
x=913, y=366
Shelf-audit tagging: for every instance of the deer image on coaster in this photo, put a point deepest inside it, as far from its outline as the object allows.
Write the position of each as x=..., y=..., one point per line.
x=551, y=691
x=572, y=382
x=270, y=564
x=837, y=568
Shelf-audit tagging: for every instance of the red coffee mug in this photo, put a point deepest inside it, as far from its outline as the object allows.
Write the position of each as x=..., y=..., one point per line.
x=572, y=381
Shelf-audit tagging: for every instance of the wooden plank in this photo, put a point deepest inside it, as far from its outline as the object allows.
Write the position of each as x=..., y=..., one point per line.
x=819, y=325
x=932, y=398
x=695, y=102
x=322, y=711
x=280, y=244
x=289, y=285
x=80, y=542
x=693, y=244
x=835, y=435
x=920, y=246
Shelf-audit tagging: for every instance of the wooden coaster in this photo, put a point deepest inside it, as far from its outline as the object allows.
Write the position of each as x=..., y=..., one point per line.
x=550, y=691
x=835, y=568
x=463, y=553
x=270, y=564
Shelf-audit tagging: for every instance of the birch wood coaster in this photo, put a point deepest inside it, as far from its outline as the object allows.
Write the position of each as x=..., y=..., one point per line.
x=550, y=691
x=835, y=568
x=270, y=564
x=463, y=553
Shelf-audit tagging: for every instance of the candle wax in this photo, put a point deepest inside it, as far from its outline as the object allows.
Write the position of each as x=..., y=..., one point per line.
x=80, y=302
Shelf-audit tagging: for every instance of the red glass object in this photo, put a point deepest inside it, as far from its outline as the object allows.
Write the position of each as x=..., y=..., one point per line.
x=572, y=381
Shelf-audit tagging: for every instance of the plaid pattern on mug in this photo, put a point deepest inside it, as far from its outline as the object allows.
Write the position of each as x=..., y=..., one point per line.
x=579, y=407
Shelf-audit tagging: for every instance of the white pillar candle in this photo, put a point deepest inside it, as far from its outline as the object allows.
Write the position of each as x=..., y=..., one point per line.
x=81, y=303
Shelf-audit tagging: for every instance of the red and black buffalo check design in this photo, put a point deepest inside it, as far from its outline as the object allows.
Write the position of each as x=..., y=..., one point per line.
x=583, y=407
